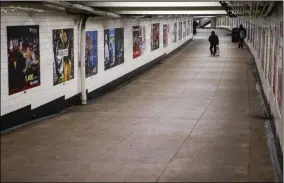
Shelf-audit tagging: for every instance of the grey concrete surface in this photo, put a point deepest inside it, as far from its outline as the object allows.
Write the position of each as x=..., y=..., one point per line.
x=192, y=118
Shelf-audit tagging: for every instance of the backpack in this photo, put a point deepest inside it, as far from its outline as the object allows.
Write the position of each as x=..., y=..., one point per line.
x=242, y=34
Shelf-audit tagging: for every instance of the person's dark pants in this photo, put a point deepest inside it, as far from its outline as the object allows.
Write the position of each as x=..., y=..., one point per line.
x=213, y=52
x=241, y=43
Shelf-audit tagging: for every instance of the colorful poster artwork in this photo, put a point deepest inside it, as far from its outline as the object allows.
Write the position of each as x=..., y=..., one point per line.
x=248, y=32
x=113, y=47
x=262, y=48
x=276, y=58
x=266, y=59
x=188, y=27
x=184, y=29
x=179, y=30
x=91, y=53
x=259, y=42
x=23, y=58
x=252, y=35
x=63, y=50
x=280, y=69
x=165, y=35
x=139, y=41
x=155, y=36
x=271, y=56
x=174, y=33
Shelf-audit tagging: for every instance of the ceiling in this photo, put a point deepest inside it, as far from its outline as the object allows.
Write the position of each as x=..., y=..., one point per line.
x=159, y=8
x=117, y=9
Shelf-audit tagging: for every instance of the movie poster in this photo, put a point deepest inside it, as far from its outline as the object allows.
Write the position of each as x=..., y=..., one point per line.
x=179, y=30
x=139, y=40
x=266, y=59
x=165, y=35
x=276, y=53
x=184, y=29
x=253, y=35
x=91, y=53
x=248, y=31
x=280, y=69
x=113, y=47
x=271, y=56
x=187, y=29
x=262, y=48
x=174, y=33
x=155, y=36
x=259, y=42
x=23, y=57
x=63, y=50
x=256, y=39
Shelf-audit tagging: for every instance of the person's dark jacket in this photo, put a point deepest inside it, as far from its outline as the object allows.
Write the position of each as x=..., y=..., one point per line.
x=195, y=24
x=213, y=39
x=244, y=32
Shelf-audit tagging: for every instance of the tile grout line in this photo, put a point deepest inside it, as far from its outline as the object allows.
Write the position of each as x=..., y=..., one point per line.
x=250, y=123
x=180, y=94
x=151, y=118
x=188, y=136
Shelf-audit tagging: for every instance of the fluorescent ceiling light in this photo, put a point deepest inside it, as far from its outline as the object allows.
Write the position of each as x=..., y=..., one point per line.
x=153, y=4
x=144, y=12
x=204, y=16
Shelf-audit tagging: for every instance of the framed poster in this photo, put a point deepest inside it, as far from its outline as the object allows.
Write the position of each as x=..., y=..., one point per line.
x=191, y=27
x=280, y=69
x=184, y=29
x=174, y=33
x=91, y=53
x=63, y=50
x=259, y=41
x=252, y=35
x=266, y=57
x=165, y=35
x=179, y=31
x=23, y=58
x=113, y=47
x=262, y=48
x=271, y=55
x=139, y=41
x=188, y=27
x=155, y=36
x=248, y=31
x=276, y=58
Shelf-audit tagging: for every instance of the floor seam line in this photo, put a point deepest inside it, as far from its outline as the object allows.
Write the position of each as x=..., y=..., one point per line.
x=187, y=135
x=177, y=151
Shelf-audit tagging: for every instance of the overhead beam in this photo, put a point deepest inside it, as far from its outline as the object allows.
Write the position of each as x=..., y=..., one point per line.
x=143, y=12
x=151, y=4
x=112, y=9
x=146, y=1
x=82, y=8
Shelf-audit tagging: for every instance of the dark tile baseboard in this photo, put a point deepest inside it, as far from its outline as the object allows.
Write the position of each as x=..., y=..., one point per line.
x=276, y=150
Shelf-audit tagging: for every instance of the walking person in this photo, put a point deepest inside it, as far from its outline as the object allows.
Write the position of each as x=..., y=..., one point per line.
x=242, y=36
x=214, y=41
x=195, y=24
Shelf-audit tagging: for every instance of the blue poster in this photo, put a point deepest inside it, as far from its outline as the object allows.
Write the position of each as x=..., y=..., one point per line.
x=113, y=47
x=91, y=53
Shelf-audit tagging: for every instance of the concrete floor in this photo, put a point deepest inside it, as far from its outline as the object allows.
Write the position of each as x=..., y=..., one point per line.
x=192, y=118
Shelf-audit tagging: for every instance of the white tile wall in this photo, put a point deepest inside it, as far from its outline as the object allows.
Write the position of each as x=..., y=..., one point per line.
x=46, y=92
x=275, y=18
